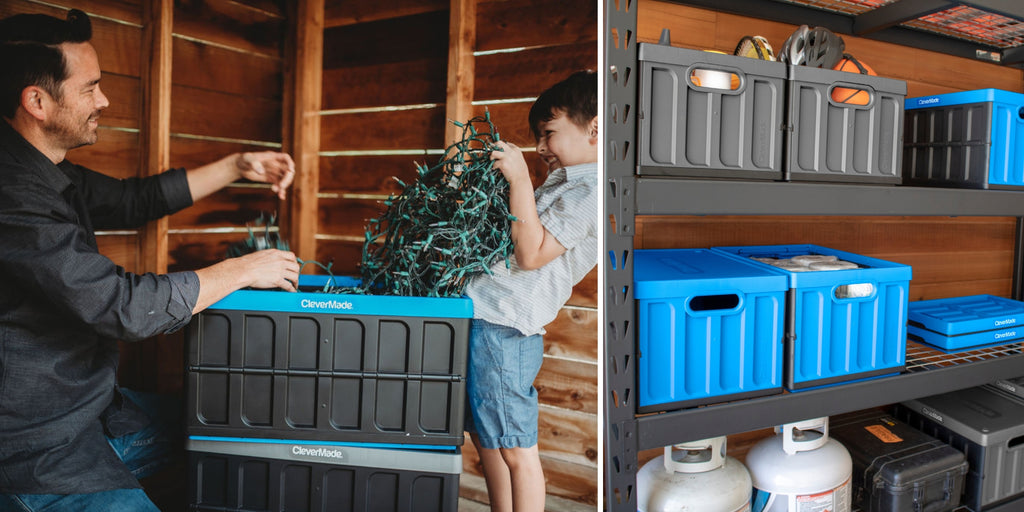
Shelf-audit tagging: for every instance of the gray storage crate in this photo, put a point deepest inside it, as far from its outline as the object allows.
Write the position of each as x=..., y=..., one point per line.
x=691, y=130
x=988, y=427
x=832, y=141
x=309, y=476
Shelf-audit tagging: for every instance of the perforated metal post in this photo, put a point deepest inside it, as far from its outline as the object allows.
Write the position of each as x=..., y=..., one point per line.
x=620, y=436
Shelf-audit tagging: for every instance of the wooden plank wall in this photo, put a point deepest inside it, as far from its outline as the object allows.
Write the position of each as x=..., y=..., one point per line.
x=949, y=256
x=384, y=97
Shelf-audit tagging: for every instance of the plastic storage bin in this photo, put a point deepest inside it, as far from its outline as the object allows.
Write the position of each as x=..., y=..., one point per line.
x=687, y=129
x=295, y=476
x=330, y=367
x=988, y=427
x=832, y=141
x=1014, y=386
x=897, y=468
x=710, y=328
x=966, y=139
x=966, y=322
x=841, y=325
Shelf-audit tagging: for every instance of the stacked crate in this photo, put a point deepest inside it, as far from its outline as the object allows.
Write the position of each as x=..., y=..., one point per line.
x=323, y=401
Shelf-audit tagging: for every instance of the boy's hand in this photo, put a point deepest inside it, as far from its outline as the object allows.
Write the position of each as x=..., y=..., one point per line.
x=508, y=159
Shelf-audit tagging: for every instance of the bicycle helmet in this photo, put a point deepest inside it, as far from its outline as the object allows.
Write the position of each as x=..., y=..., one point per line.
x=755, y=47
x=816, y=47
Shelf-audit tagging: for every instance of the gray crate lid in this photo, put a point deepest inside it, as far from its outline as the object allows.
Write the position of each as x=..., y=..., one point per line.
x=980, y=414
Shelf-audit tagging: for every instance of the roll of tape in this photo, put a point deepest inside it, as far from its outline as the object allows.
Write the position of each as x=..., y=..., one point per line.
x=832, y=265
x=855, y=291
x=807, y=259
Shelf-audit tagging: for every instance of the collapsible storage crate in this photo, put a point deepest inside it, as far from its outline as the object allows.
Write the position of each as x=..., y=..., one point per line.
x=319, y=477
x=988, y=427
x=710, y=328
x=330, y=367
x=1014, y=386
x=841, y=325
x=693, y=130
x=966, y=322
x=967, y=139
x=897, y=468
x=834, y=141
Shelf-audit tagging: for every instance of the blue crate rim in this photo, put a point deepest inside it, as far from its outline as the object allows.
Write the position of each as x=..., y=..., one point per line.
x=745, y=277
x=344, y=304
x=875, y=270
x=963, y=98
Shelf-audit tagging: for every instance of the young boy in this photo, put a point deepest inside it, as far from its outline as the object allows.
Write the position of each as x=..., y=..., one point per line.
x=555, y=240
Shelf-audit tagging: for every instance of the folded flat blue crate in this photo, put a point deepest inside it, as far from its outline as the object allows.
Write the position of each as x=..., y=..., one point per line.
x=328, y=366
x=834, y=337
x=966, y=322
x=710, y=328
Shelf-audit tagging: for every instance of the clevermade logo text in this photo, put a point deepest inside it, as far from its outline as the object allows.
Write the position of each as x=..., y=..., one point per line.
x=1004, y=335
x=320, y=452
x=927, y=101
x=326, y=304
x=1008, y=321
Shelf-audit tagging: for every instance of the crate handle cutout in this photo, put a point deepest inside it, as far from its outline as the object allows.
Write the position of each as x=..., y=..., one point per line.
x=850, y=95
x=1015, y=442
x=711, y=77
x=853, y=292
x=708, y=305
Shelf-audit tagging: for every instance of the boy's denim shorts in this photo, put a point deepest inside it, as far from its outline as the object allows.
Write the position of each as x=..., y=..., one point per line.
x=499, y=385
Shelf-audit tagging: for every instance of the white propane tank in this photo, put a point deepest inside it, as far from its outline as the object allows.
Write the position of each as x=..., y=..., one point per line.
x=801, y=469
x=693, y=477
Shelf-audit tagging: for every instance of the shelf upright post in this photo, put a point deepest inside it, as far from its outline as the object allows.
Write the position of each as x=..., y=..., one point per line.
x=619, y=350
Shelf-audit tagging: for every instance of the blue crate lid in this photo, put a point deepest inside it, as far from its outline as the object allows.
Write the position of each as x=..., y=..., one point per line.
x=964, y=97
x=962, y=315
x=344, y=304
x=662, y=273
x=873, y=270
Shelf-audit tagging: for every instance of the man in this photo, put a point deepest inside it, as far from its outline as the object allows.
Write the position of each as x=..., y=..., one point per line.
x=69, y=438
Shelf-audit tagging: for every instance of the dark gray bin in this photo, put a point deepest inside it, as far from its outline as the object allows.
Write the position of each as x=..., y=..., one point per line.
x=307, y=477
x=329, y=377
x=988, y=427
x=832, y=141
x=694, y=131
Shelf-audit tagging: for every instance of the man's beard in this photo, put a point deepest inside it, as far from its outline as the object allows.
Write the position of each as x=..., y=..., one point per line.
x=70, y=134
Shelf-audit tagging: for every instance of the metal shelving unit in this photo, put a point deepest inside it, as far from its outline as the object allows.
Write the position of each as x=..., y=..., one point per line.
x=627, y=195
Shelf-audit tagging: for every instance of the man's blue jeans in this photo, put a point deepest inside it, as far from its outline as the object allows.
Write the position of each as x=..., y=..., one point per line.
x=144, y=452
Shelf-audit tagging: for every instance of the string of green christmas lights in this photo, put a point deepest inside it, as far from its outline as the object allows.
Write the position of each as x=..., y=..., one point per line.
x=450, y=224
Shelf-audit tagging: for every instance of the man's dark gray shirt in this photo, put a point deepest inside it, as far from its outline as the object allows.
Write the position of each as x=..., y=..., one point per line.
x=63, y=308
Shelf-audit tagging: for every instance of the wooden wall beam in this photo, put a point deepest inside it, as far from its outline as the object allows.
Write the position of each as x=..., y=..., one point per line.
x=155, y=136
x=301, y=122
x=461, y=66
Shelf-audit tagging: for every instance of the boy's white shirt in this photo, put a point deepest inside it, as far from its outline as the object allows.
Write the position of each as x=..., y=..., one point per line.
x=527, y=300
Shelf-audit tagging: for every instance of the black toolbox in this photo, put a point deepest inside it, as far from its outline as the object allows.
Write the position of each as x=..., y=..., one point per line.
x=897, y=468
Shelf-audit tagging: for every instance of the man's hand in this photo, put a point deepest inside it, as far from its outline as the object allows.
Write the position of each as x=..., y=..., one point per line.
x=272, y=167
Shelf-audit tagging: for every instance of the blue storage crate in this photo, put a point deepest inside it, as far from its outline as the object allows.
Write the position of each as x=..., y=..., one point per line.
x=710, y=328
x=966, y=322
x=841, y=325
x=327, y=366
x=965, y=139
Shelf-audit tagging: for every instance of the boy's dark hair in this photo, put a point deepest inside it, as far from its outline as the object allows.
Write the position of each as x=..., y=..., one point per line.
x=30, y=54
x=576, y=96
